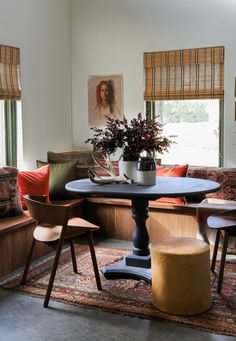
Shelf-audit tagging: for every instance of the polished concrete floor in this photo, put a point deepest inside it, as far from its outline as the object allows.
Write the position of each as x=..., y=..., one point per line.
x=24, y=318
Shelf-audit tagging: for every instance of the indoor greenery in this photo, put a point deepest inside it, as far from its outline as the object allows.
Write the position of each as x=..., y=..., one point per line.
x=134, y=137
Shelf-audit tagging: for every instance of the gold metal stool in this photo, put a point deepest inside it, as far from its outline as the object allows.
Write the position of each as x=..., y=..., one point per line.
x=181, y=276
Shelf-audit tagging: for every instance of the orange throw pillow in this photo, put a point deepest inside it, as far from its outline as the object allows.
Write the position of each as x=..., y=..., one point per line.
x=34, y=182
x=172, y=171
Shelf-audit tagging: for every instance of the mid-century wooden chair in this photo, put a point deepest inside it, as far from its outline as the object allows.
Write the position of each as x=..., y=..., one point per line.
x=225, y=224
x=55, y=228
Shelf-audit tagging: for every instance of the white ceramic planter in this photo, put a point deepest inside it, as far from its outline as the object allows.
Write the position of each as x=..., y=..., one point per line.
x=129, y=168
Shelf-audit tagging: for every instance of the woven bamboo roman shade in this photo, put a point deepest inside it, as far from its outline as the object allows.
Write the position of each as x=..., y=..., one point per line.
x=9, y=73
x=184, y=74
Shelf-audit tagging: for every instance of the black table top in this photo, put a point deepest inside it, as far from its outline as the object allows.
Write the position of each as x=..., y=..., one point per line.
x=165, y=187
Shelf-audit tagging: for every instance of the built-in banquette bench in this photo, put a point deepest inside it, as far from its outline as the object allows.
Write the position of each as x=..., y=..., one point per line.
x=166, y=219
x=112, y=215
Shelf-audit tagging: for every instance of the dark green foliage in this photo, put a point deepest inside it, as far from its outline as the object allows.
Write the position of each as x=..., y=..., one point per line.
x=133, y=137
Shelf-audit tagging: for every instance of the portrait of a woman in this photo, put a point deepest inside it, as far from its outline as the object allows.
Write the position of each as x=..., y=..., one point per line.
x=106, y=103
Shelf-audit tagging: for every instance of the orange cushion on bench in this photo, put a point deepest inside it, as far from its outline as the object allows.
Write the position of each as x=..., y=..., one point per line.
x=34, y=182
x=179, y=170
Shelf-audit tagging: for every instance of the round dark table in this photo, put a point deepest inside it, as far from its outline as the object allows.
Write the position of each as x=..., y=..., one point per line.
x=137, y=265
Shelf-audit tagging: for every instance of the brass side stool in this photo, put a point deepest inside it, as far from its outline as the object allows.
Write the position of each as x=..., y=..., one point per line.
x=181, y=276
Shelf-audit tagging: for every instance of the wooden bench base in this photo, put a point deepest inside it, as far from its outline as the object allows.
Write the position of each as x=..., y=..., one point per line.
x=15, y=240
x=165, y=220
x=112, y=215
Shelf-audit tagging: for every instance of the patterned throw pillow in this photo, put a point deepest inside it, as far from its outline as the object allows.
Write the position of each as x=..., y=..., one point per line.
x=226, y=177
x=10, y=204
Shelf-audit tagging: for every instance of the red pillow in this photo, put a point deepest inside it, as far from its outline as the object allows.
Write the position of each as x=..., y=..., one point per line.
x=172, y=171
x=34, y=182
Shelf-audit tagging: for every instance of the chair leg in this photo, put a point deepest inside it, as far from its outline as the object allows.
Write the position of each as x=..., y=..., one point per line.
x=28, y=261
x=222, y=262
x=53, y=273
x=73, y=257
x=213, y=262
x=94, y=260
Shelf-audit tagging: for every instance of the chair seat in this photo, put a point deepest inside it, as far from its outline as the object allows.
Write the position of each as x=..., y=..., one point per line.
x=76, y=221
x=222, y=221
x=209, y=207
x=42, y=233
x=50, y=233
x=226, y=222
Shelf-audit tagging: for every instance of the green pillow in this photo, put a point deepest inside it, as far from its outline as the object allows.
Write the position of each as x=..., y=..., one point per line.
x=60, y=174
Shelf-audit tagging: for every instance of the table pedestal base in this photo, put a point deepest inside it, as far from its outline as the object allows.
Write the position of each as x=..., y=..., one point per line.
x=138, y=261
x=123, y=270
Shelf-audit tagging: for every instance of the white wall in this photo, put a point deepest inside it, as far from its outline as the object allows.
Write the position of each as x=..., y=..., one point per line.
x=41, y=29
x=110, y=36
x=107, y=37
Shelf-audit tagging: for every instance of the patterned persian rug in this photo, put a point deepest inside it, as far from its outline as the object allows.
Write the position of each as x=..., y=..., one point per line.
x=129, y=297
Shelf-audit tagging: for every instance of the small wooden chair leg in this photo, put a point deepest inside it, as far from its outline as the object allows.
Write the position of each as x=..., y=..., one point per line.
x=28, y=261
x=73, y=257
x=222, y=262
x=94, y=260
x=53, y=273
x=213, y=262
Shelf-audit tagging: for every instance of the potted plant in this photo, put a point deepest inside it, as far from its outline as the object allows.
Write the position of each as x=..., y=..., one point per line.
x=134, y=137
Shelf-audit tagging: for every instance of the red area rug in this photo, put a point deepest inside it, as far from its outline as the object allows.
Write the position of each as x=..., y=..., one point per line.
x=130, y=297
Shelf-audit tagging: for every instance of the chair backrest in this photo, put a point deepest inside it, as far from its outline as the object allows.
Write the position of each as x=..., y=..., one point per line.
x=47, y=213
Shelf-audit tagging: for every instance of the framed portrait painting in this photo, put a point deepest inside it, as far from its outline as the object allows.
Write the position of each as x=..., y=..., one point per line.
x=105, y=99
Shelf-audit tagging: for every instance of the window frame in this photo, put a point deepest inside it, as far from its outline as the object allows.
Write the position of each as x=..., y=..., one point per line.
x=151, y=115
x=11, y=144
x=3, y=139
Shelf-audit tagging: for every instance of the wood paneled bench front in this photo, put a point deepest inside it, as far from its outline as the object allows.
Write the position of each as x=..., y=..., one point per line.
x=114, y=217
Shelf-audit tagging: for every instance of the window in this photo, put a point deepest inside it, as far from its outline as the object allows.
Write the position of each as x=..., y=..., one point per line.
x=11, y=134
x=10, y=106
x=2, y=136
x=194, y=126
x=185, y=88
